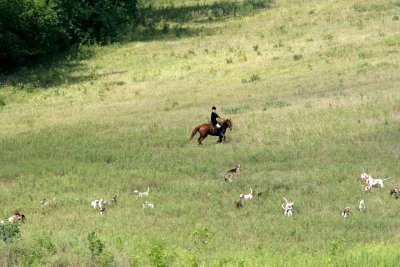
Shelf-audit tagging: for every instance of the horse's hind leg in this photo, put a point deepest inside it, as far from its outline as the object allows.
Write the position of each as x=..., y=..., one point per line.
x=201, y=138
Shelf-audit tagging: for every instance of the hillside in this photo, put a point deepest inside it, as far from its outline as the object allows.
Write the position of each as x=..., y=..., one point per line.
x=312, y=89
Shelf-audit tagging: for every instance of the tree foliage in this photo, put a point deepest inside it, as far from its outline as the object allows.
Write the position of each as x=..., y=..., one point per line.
x=34, y=28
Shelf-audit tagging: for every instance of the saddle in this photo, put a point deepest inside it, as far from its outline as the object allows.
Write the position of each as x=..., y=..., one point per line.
x=215, y=128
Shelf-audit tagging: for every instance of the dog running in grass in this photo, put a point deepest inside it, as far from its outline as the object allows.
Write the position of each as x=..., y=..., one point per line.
x=148, y=204
x=98, y=203
x=228, y=175
x=44, y=202
x=395, y=192
x=361, y=205
x=239, y=202
x=373, y=182
x=17, y=216
x=142, y=194
x=287, y=207
x=249, y=196
x=366, y=188
x=346, y=212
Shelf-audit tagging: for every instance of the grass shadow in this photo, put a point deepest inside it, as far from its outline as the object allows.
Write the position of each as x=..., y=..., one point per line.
x=172, y=22
x=191, y=13
x=50, y=71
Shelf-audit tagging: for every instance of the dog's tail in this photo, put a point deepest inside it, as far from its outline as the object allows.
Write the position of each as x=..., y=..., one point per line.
x=195, y=130
x=386, y=179
x=286, y=200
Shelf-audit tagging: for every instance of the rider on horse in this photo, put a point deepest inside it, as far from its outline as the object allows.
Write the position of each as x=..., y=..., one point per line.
x=214, y=117
x=214, y=121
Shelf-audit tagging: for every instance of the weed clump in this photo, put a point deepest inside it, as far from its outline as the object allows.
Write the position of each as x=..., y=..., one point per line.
x=297, y=57
x=253, y=78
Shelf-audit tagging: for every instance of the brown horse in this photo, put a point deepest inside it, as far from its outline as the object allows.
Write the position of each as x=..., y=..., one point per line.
x=208, y=129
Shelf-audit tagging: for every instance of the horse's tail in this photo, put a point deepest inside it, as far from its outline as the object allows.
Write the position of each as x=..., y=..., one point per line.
x=195, y=131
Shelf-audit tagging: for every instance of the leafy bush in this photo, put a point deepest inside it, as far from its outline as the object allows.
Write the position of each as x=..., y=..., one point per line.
x=2, y=101
x=160, y=256
x=297, y=57
x=9, y=232
x=33, y=28
x=96, y=246
x=42, y=249
x=337, y=247
x=29, y=29
x=201, y=236
x=100, y=256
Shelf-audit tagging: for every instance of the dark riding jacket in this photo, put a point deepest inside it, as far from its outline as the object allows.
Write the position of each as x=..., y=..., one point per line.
x=214, y=117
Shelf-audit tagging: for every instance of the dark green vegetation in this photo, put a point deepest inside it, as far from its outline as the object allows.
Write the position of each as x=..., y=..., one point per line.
x=312, y=88
x=35, y=29
x=30, y=29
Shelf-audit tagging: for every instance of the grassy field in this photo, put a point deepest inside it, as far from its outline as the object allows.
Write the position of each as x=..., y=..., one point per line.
x=313, y=91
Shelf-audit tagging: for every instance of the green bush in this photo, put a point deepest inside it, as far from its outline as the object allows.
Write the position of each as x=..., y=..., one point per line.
x=297, y=57
x=96, y=246
x=29, y=29
x=9, y=232
x=2, y=101
x=100, y=256
x=34, y=28
x=38, y=255
x=160, y=256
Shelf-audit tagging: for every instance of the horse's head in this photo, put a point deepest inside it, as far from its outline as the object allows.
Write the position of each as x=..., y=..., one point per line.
x=228, y=123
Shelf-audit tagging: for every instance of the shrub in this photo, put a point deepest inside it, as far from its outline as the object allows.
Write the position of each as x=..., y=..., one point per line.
x=41, y=250
x=201, y=236
x=2, y=101
x=297, y=57
x=35, y=28
x=29, y=29
x=9, y=232
x=96, y=246
x=337, y=247
x=100, y=256
x=160, y=256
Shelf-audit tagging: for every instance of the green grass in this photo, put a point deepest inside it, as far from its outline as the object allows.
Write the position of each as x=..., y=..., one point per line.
x=320, y=105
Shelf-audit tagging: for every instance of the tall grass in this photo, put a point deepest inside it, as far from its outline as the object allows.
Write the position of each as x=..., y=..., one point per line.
x=119, y=119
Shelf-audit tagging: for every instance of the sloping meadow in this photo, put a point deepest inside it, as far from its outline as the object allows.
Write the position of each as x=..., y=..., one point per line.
x=312, y=90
